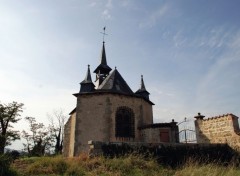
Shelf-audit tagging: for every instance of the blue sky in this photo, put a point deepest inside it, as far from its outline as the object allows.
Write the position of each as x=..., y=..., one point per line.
x=188, y=52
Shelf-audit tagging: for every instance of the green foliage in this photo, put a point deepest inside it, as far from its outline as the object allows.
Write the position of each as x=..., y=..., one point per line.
x=5, y=168
x=14, y=154
x=38, y=140
x=9, y=114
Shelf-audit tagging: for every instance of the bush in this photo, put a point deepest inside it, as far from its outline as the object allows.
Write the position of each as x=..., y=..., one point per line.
x=14, y=154
x=175, y=156
x=5, y=169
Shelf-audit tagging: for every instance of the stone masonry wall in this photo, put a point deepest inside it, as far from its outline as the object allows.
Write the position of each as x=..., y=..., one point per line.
x=152, y=135
x=72, y=135
x=95, y=118
x=67, y=129
x=69, y=136
x=220, y=129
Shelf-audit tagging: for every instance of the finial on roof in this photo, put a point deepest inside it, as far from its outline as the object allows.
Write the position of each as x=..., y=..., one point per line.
x=115, y=68
x=103, y=68
x=142, y=84
x=104, y=33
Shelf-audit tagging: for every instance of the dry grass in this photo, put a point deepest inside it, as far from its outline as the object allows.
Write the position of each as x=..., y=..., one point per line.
x=129, y=165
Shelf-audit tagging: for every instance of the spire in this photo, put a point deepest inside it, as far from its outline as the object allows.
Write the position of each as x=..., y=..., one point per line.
x=87, y=84
x=142, y=84
x=142, y=91
x=103, y=68
x=103, y=59
x=88, y=78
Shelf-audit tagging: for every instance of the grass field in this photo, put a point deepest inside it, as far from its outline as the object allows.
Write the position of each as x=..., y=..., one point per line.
x=129, y=165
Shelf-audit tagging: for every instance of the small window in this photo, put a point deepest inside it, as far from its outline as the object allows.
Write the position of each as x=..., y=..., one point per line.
x=124, y=123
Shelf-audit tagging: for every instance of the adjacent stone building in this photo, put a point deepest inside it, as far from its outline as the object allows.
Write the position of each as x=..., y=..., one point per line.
x=219, y=129
x=109, y=111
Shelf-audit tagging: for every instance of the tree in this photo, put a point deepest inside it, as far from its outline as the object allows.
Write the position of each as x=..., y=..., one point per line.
x=39, y=139
x=9, y=114
x=57, y=121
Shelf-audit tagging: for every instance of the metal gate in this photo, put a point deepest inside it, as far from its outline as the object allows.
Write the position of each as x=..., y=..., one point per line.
x=187, y=133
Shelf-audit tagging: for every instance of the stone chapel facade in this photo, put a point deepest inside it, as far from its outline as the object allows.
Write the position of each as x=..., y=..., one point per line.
x=109, y=111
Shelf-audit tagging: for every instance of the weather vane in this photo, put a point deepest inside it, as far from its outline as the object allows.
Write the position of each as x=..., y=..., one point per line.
x=104, y=33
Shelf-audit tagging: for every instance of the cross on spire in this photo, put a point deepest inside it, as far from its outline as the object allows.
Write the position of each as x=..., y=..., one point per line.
x=104, y=33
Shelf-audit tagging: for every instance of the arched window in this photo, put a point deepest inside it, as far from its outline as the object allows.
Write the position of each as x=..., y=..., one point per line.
x=124, y=121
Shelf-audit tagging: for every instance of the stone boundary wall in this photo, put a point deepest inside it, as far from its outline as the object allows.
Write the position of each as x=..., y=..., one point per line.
x=95, y=147
x=219, y=129
x=172, y=155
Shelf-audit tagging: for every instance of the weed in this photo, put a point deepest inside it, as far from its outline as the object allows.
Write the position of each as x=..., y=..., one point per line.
x=122, y=166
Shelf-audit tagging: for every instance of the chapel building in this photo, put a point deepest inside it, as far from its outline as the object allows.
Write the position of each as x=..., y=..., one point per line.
x=107, y=110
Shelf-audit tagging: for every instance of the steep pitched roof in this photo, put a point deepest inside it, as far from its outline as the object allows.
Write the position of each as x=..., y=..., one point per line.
x=142, y=86
x=88, y=78
x=87, y=84
x=103, y=67
x=142, y=91
x=115, y=83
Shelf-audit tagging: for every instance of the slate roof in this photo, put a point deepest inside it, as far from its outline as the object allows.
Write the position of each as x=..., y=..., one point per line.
x=142, y=87
x=87, y=84
x=103, y=67
x=88, y=78
x=158, y=125
x=115, y=83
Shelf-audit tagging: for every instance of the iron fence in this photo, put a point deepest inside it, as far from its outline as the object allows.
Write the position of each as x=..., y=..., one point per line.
x=187, y=133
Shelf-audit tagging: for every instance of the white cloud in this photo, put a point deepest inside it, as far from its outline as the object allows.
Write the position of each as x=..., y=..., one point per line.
x=217, y=88
x=106, y=14
x=179, y=39
x=215, y=37
x=235, y=43
x=153, y=17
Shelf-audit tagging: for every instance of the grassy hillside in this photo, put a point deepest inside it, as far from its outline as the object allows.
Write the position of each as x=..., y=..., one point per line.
x=130, y=165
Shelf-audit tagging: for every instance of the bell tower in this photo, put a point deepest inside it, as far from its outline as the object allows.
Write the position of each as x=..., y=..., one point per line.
x=103, y=70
